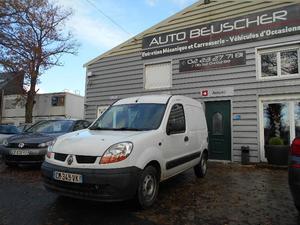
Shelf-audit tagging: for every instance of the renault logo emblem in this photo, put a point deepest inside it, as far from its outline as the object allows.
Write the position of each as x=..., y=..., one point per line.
x=21, y=145
x=70, y=160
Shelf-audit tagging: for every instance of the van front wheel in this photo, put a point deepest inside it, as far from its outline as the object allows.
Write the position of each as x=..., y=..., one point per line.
x=148, y=187
x=201, y=168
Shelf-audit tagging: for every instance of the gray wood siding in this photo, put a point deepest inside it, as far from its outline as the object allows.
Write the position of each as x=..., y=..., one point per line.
x=122, y=76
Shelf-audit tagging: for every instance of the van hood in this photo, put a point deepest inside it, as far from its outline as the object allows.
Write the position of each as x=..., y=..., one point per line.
x=91, y=142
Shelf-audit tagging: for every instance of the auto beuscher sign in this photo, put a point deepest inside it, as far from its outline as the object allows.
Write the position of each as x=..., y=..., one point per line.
x=262, y=25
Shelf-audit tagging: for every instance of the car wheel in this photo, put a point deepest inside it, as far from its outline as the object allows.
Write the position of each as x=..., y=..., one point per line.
x=148, y=187
x=201, y=168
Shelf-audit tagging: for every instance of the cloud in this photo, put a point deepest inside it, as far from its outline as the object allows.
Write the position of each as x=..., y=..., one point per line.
x=96, y=33
x=40, y=90
x=89, y=27
x=151, y=2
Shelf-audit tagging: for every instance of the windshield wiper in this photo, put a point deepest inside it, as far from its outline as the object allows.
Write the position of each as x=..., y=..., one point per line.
x=121, y=128
x=127, y=128
x=100, y=128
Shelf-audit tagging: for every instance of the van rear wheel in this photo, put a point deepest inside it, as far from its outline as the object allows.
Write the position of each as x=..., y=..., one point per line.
x=148, y=187
x=201, y=168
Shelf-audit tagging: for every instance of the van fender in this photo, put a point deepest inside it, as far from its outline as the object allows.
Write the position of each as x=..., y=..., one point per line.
x=149, y=155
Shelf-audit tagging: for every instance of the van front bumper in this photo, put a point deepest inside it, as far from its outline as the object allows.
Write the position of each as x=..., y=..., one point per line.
x=97, y=184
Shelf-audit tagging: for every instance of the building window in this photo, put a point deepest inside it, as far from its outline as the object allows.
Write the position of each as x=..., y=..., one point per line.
x=277, y=121
x=281, y=119
x=278, y=62
x=58, y=101
x=217, y=124
x=158, y=76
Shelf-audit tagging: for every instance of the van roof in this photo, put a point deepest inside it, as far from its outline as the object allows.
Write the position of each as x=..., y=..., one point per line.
x=158, y=99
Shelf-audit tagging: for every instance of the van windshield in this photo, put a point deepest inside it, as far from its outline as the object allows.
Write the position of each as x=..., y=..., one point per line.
x=134, y=117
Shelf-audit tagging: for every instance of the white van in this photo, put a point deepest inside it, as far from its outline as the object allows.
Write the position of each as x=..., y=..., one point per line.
x=129, y=149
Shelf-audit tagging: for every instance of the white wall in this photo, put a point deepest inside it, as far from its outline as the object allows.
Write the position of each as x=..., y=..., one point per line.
x=43, y=107
x=14, y=108
x=74, y=106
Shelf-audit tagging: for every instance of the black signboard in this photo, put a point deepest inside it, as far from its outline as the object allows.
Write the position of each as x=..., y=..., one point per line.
x=263, y=25
x=209, y=62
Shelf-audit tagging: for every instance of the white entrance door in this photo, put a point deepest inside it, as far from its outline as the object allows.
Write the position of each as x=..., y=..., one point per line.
x=279, y=117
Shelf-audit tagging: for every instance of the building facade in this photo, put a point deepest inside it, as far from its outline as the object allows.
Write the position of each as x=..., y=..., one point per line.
x=58, y=105
x=240, y=58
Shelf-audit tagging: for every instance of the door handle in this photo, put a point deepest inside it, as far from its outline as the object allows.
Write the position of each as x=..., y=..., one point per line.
x=186, y=139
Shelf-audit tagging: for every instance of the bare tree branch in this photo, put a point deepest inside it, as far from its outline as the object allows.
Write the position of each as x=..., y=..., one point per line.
x=33, y=39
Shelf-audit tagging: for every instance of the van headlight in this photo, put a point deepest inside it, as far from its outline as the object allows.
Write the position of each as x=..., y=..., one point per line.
x=117, y=153
x=49, y=144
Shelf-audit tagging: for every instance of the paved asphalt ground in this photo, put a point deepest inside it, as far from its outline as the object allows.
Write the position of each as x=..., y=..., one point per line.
x=230, y=194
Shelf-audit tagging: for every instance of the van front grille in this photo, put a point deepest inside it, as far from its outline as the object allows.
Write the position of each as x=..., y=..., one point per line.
x=85, y=159
x=60, y=156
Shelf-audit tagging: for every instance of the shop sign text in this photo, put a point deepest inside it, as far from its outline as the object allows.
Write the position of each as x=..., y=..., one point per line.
x=209, y=62
x=253, y=27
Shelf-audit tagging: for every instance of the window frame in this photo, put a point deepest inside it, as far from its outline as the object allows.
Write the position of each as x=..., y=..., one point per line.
x=58, y=97
x=275, y=99
x=276, y=49
x=157, y=63
x=184, y=117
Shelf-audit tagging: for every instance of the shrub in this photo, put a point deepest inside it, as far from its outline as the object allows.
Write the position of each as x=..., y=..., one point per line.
x=276, y=141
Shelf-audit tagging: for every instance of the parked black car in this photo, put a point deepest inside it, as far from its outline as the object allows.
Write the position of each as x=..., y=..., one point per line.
x=23, y=127
x=31, y=146
x=7, y=130
x=294, y=171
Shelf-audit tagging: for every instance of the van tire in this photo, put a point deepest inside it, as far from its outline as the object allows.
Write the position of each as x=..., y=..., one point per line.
x=201, y=168
x=147, y=187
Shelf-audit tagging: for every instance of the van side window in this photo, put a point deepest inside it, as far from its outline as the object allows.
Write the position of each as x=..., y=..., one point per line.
x=176, y=121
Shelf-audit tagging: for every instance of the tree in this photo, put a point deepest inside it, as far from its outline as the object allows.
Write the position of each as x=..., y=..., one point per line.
x=33, y=39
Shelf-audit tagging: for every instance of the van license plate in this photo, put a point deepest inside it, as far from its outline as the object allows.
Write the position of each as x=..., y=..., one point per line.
x=68, y=177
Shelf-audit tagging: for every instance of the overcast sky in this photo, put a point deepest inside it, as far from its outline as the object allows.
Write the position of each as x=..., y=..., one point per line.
x=97, y=34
